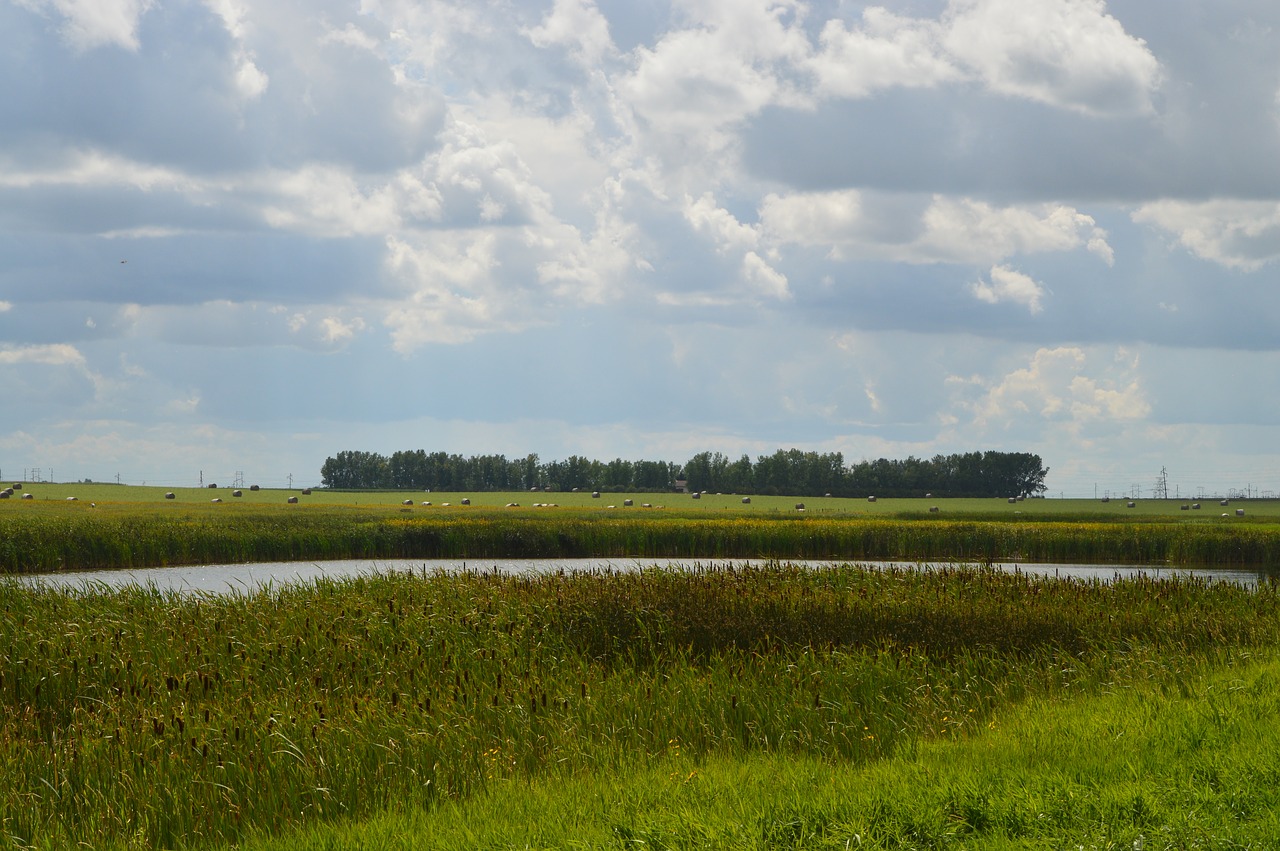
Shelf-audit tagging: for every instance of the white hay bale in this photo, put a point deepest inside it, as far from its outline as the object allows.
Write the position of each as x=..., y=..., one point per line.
x=1224, y=502
x=170, y=495
x=871, y=499
x=5, y=494
x=628, y=502
x=646, y=505
x=466, y=500
x=1239, y=512
x=595, y=494
x=443, y=504
x=746, y=500
x=407, y=502
x=1013, y=499
x=697, y=495
x=293, y=500
x=216, y=499
x=1195, y=506
x=237, y=493
x=1130, y=504
x=27, y=496
x=73, y=499
x=426, y=502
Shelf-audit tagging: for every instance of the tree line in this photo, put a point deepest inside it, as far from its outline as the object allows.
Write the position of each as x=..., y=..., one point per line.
x=787, y=471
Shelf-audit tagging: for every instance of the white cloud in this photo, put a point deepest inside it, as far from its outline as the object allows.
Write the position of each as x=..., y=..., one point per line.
x=1010, y=285
x=579, y=26
x=95, y=23
x=1054, y=387
x=1237, y=234
x=947, y=230
x=56, y=354
x=1067, y=53
x=885, y=51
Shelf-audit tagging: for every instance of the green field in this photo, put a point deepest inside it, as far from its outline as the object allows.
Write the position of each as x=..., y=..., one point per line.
x=107, y=496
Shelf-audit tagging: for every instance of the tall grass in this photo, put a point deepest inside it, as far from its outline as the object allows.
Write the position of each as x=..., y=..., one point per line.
x=51, y=538
x=147, y=719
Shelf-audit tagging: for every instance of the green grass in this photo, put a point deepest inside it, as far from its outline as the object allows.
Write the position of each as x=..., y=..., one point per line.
x=1151, y=765
x=106, y=495
x=143, y=719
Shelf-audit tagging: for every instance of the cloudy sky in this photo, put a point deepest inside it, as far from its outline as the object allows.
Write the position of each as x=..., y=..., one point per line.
x=244, y=235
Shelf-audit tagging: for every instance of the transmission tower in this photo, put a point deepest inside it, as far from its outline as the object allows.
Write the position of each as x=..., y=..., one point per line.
x=1162, y=485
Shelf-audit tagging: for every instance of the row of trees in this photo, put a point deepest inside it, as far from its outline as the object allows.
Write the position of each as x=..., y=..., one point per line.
x=787, y=471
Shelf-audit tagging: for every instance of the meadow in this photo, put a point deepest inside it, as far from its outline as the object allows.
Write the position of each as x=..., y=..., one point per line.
x=410, y=710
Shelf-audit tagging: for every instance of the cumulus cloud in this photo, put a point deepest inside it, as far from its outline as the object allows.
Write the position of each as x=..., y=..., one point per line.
x=1066, y=53
x=88, y=24
x=1237, y=234
x=1069, y=54
x=1055, y=387
x=1010, y=285
x=946, y=230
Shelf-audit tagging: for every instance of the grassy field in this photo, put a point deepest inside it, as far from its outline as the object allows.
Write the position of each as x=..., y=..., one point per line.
x=329, y=715
x=122, y=497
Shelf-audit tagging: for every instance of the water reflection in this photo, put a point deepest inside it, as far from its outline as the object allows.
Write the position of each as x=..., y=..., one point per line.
x=248, y=578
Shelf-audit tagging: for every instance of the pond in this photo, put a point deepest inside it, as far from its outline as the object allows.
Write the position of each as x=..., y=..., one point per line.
x=250, y=577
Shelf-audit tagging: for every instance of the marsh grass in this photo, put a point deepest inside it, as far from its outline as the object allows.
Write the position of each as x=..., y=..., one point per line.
x=53, y=536
x=144, y=719
x=1142, y=765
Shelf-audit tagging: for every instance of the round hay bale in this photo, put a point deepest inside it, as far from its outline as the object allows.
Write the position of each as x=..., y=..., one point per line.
x=216, y=499
x=237, y=493
x=799, y=506
x=306, y=491
x=1224, y=502
x=595, y=494
x=1130, y=504
x=73, y=499
x=646, y=505
x=871, y=499
x=627, y=502
x=1239, y=512
x=933, y=509
x=1184, y=508
x=1195, y=506
x=407, y=502
x=254, y=488
x=1106, y=499
x=213, y=485
x=466, y=500
x=293, y=500
x=5, y=494
x=697, y=495
x=1013, y=499
x=27, y=496
x=746, y=500
x=170, y=495
x=426, y=502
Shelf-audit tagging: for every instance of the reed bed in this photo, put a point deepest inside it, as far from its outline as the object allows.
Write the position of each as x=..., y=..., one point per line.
x=52, y=538
x=144, y=719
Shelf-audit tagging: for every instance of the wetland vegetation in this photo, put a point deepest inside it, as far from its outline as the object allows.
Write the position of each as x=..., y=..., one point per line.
x=957, y=707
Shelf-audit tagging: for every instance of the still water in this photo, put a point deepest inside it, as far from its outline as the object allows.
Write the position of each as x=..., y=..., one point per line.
x=251, y=577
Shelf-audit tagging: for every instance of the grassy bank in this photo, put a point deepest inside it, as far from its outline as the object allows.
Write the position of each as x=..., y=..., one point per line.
x=141, y=719
x=1143, y=766
x=56, y=535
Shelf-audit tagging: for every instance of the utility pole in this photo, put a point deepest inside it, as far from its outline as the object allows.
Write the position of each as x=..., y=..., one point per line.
x=291, y=481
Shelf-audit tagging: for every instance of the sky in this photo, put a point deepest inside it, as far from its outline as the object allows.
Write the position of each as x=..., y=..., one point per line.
x=240, y=236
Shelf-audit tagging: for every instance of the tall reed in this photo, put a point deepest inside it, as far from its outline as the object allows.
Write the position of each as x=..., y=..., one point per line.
x=155, y=719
